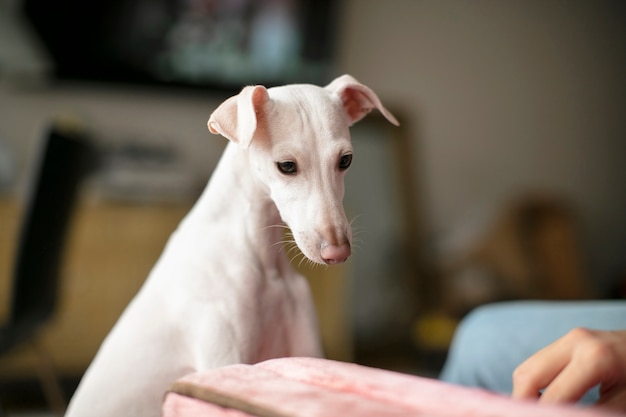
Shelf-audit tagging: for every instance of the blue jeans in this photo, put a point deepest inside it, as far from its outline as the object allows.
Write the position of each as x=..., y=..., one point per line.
x=494, y=339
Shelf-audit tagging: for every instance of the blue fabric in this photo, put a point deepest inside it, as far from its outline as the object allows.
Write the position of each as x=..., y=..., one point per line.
x=494, y=339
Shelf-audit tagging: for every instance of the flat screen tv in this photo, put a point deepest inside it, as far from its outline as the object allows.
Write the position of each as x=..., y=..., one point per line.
x=217, y=44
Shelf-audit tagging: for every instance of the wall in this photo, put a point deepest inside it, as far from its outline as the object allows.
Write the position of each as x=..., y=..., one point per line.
x=501, y=97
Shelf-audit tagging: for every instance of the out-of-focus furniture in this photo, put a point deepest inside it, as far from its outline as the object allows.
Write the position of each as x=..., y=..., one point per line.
x=60, y=167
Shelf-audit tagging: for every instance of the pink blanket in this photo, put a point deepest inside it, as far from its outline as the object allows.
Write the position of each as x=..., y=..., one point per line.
x=308, y=387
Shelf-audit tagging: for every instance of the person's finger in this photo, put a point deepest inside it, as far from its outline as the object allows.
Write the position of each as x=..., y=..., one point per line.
x=591, y=364
x=538, y=371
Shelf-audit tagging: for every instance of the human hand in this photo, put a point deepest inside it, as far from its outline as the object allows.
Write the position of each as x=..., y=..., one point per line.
x=572, y=365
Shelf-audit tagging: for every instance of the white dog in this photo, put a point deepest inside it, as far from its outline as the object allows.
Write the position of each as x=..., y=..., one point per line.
x=223, y=291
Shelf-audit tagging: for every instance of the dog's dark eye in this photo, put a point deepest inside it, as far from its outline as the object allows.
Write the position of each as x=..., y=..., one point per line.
x=287, y=167
x=345, y=161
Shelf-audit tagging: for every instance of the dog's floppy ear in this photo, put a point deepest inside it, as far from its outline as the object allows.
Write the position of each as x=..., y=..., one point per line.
x=358, y=99
x=237, y=118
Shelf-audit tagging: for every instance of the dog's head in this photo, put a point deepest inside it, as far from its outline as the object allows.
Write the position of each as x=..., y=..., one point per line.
x=299, y=141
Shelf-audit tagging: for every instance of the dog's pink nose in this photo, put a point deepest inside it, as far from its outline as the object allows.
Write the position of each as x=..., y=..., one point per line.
x=332, y=254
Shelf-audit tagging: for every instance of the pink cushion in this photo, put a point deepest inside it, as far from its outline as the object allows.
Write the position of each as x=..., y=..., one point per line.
x=310, y=387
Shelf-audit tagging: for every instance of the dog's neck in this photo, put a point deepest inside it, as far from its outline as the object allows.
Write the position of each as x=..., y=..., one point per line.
x=234, y=199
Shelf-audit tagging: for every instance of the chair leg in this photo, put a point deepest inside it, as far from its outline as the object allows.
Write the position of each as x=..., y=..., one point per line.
x=49, y=380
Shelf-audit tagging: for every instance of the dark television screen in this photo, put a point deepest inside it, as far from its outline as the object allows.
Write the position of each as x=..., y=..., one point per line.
x=201, y=43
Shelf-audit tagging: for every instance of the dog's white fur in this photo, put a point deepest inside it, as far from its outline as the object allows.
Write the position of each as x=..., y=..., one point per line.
x=223, y=291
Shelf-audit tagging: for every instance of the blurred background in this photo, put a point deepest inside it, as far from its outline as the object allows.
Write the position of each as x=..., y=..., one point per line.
x=506, y=179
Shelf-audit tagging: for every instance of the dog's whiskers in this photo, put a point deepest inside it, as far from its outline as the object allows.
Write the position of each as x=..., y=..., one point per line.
x=283, y=242
x=304, y=259
x=278, y=226
x=356, y=232
x=289, y=246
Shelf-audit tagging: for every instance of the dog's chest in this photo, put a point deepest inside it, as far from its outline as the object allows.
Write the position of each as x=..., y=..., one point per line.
x=276, y=318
